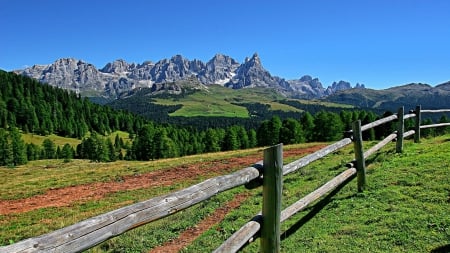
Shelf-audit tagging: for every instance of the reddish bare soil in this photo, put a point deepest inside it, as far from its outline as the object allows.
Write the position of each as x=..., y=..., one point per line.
x=80, y=193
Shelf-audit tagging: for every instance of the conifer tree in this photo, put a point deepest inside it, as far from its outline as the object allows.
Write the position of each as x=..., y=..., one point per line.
x=48, y=149
x=67, y=152
x=19, y=155
x=6, y=157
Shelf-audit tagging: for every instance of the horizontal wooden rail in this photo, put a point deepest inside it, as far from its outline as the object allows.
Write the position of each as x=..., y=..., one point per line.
x=302, y=162
x=250, y=229
x=407, y=116
x=378, y=122
x=384, y=142
x=434, y=125
x=409, y=133
x=318, y=193
x=435, y=111
x=242, y=236
x=380, y=145
x=90, y=232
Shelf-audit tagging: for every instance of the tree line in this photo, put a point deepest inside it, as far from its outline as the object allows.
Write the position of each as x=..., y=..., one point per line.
x=43, y=109
x=29, y=107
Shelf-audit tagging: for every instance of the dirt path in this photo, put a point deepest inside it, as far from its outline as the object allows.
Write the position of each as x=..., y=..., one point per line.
x=68, y=195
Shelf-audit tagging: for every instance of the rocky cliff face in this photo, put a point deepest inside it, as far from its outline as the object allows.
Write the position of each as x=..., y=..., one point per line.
x=307, y=87
x=119, y=76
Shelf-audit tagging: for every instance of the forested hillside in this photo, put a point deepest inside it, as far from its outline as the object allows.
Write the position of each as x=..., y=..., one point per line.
x=42, y=109
x=26, y=106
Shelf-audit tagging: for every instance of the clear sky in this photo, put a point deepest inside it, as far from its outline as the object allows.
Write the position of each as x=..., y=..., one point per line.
x=380, y=43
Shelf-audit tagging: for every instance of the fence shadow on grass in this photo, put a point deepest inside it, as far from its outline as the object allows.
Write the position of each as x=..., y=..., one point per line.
x=314, y=210
x=442, y=249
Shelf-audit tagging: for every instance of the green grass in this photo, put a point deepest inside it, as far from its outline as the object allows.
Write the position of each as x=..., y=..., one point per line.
x=61, y=141
x=58, y=140
x=405, y=207
x=221, y=101
x=39, y=176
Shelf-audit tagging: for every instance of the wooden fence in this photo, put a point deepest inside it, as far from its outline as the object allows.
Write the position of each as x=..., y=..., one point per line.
x=88, y=233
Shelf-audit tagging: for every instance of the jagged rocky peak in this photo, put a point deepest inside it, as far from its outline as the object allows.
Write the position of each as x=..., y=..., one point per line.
x=220, y=61
x=306, y=78
x=341, y=85
x=307, y=87
x=360, y=86
x=253, y=61
x=219, y=70
x=117, y=66
x=252, y=74
x=178, y=59
x=119, y=76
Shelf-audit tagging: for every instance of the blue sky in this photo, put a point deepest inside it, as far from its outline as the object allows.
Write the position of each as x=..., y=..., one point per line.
x=380, y=43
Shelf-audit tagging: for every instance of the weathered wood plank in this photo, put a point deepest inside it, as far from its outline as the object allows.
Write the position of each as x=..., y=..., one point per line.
x=417, y=124
x=90, y=232
x=409, y=133
x=241, y=237
x=359, y=155
x=379, y=145
x=251, y=228
x=272, y=191
x=318, y=193
x=408, y=116
x=400, y=130
x=434, y=125
x=302, y=162
x=378, y=122
x=435, y=111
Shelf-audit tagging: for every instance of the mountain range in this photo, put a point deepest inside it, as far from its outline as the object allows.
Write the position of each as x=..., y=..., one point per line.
x=409, y=96
x=120, y=79
x=119, y=76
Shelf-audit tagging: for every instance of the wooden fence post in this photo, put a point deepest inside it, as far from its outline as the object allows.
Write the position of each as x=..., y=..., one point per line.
x=359, y=155
x=272, y=188
x=400, y=130
x=417, y=128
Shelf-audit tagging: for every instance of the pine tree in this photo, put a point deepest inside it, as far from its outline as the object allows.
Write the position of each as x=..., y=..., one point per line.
x=111, y=150
x=307, y=122
x=6, y=157
x=328, y=126
x=67, y=152
x=33, y=152
x=143, y=148
x=212, y=140
x=252, y=140
x=48, y=149
x=231, y=141
x=275, y=125
x=19, y=155
x=263, y=133
x=291, y=132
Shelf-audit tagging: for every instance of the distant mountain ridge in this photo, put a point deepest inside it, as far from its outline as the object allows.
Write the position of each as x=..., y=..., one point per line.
x=409, y=96
x=120, y=77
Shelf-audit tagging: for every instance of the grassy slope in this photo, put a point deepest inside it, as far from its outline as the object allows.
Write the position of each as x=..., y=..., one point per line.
x=34, y=178
x=405, y=208
x=58, y=140
x=217, y=101
x=61, y=141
